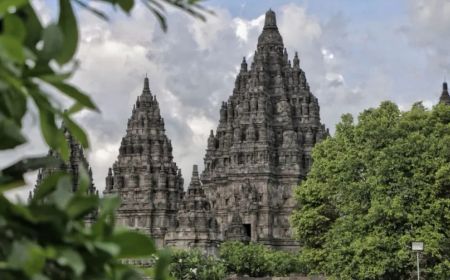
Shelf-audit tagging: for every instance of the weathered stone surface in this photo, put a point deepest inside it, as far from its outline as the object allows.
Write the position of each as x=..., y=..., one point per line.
x=144, y=175
x=262, y=146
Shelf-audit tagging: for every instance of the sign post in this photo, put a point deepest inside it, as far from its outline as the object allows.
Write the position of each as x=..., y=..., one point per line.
x=417, y=246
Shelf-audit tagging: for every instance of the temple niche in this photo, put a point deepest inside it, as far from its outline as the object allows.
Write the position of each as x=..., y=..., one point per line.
x=268, y=127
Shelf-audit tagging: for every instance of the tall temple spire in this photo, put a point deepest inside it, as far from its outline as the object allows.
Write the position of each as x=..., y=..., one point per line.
x=145, y=176
x=262, y=146
x=445, y=97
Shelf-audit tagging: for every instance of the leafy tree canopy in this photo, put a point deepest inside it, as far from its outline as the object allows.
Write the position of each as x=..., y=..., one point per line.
x=375, y=187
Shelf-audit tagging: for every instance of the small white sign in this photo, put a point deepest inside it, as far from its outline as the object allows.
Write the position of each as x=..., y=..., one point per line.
x=417, y=246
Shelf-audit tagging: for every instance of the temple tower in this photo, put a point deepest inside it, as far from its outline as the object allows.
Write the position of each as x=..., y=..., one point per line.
x=144, y=175
x=196, y=227
x=262, y=146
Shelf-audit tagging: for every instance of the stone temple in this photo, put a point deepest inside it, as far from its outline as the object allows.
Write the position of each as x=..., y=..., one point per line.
x=262, y=146
x=259, y=152
x=145, y=176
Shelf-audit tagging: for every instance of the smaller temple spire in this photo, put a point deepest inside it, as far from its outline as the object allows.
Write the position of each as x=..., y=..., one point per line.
x=296, y=61
x=445, y=97
x=244, y=65
x=146, y=89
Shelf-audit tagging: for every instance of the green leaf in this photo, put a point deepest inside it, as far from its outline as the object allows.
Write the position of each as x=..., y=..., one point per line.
x=81, y=205
x=75, y=108
x=27, y=256
x=48, y=185
x=68, y=25
x=13, y=104
x=48, y=128
x=109, y=204
x=72, y=92
x=52, y=135
x=84, y=180
x=133, y=244
x=76, y=131
x=108, y=247
x=53, y=42
x=73, y=260
x=32, y=25
x=10, y=134
x=93, y=10
x=13, y=174
x=126, y=5
x=161, y=268
x=6, y=4
x=13, y=26
x=63, y=193
x=11, y=49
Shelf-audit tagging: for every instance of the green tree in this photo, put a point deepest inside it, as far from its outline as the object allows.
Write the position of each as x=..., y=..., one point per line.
x=47, y=238
x=374, y=187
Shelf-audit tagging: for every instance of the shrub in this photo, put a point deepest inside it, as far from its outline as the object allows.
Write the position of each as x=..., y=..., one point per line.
x=244, y=259
x=284, y=263
x=256, y=260
x=193, y=265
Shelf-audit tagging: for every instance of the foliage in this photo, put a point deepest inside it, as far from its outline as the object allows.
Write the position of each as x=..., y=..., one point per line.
x=256, y=260
x=37, y=60
x=284, y=263
x=245, y=259
x=193, y=265
x=374, y=187
x=47, y=239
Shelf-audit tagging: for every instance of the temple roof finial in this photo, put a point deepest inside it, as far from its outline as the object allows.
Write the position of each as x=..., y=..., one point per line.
x=244, y=65
x=270, y=20
x=195, y=170
x=146, y=85
x=296, y=60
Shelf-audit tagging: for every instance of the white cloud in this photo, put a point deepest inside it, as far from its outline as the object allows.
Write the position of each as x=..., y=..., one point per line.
x=192, y=70
x=428, y=28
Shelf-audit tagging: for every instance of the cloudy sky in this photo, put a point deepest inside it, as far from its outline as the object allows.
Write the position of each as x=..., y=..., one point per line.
x=355, y=55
